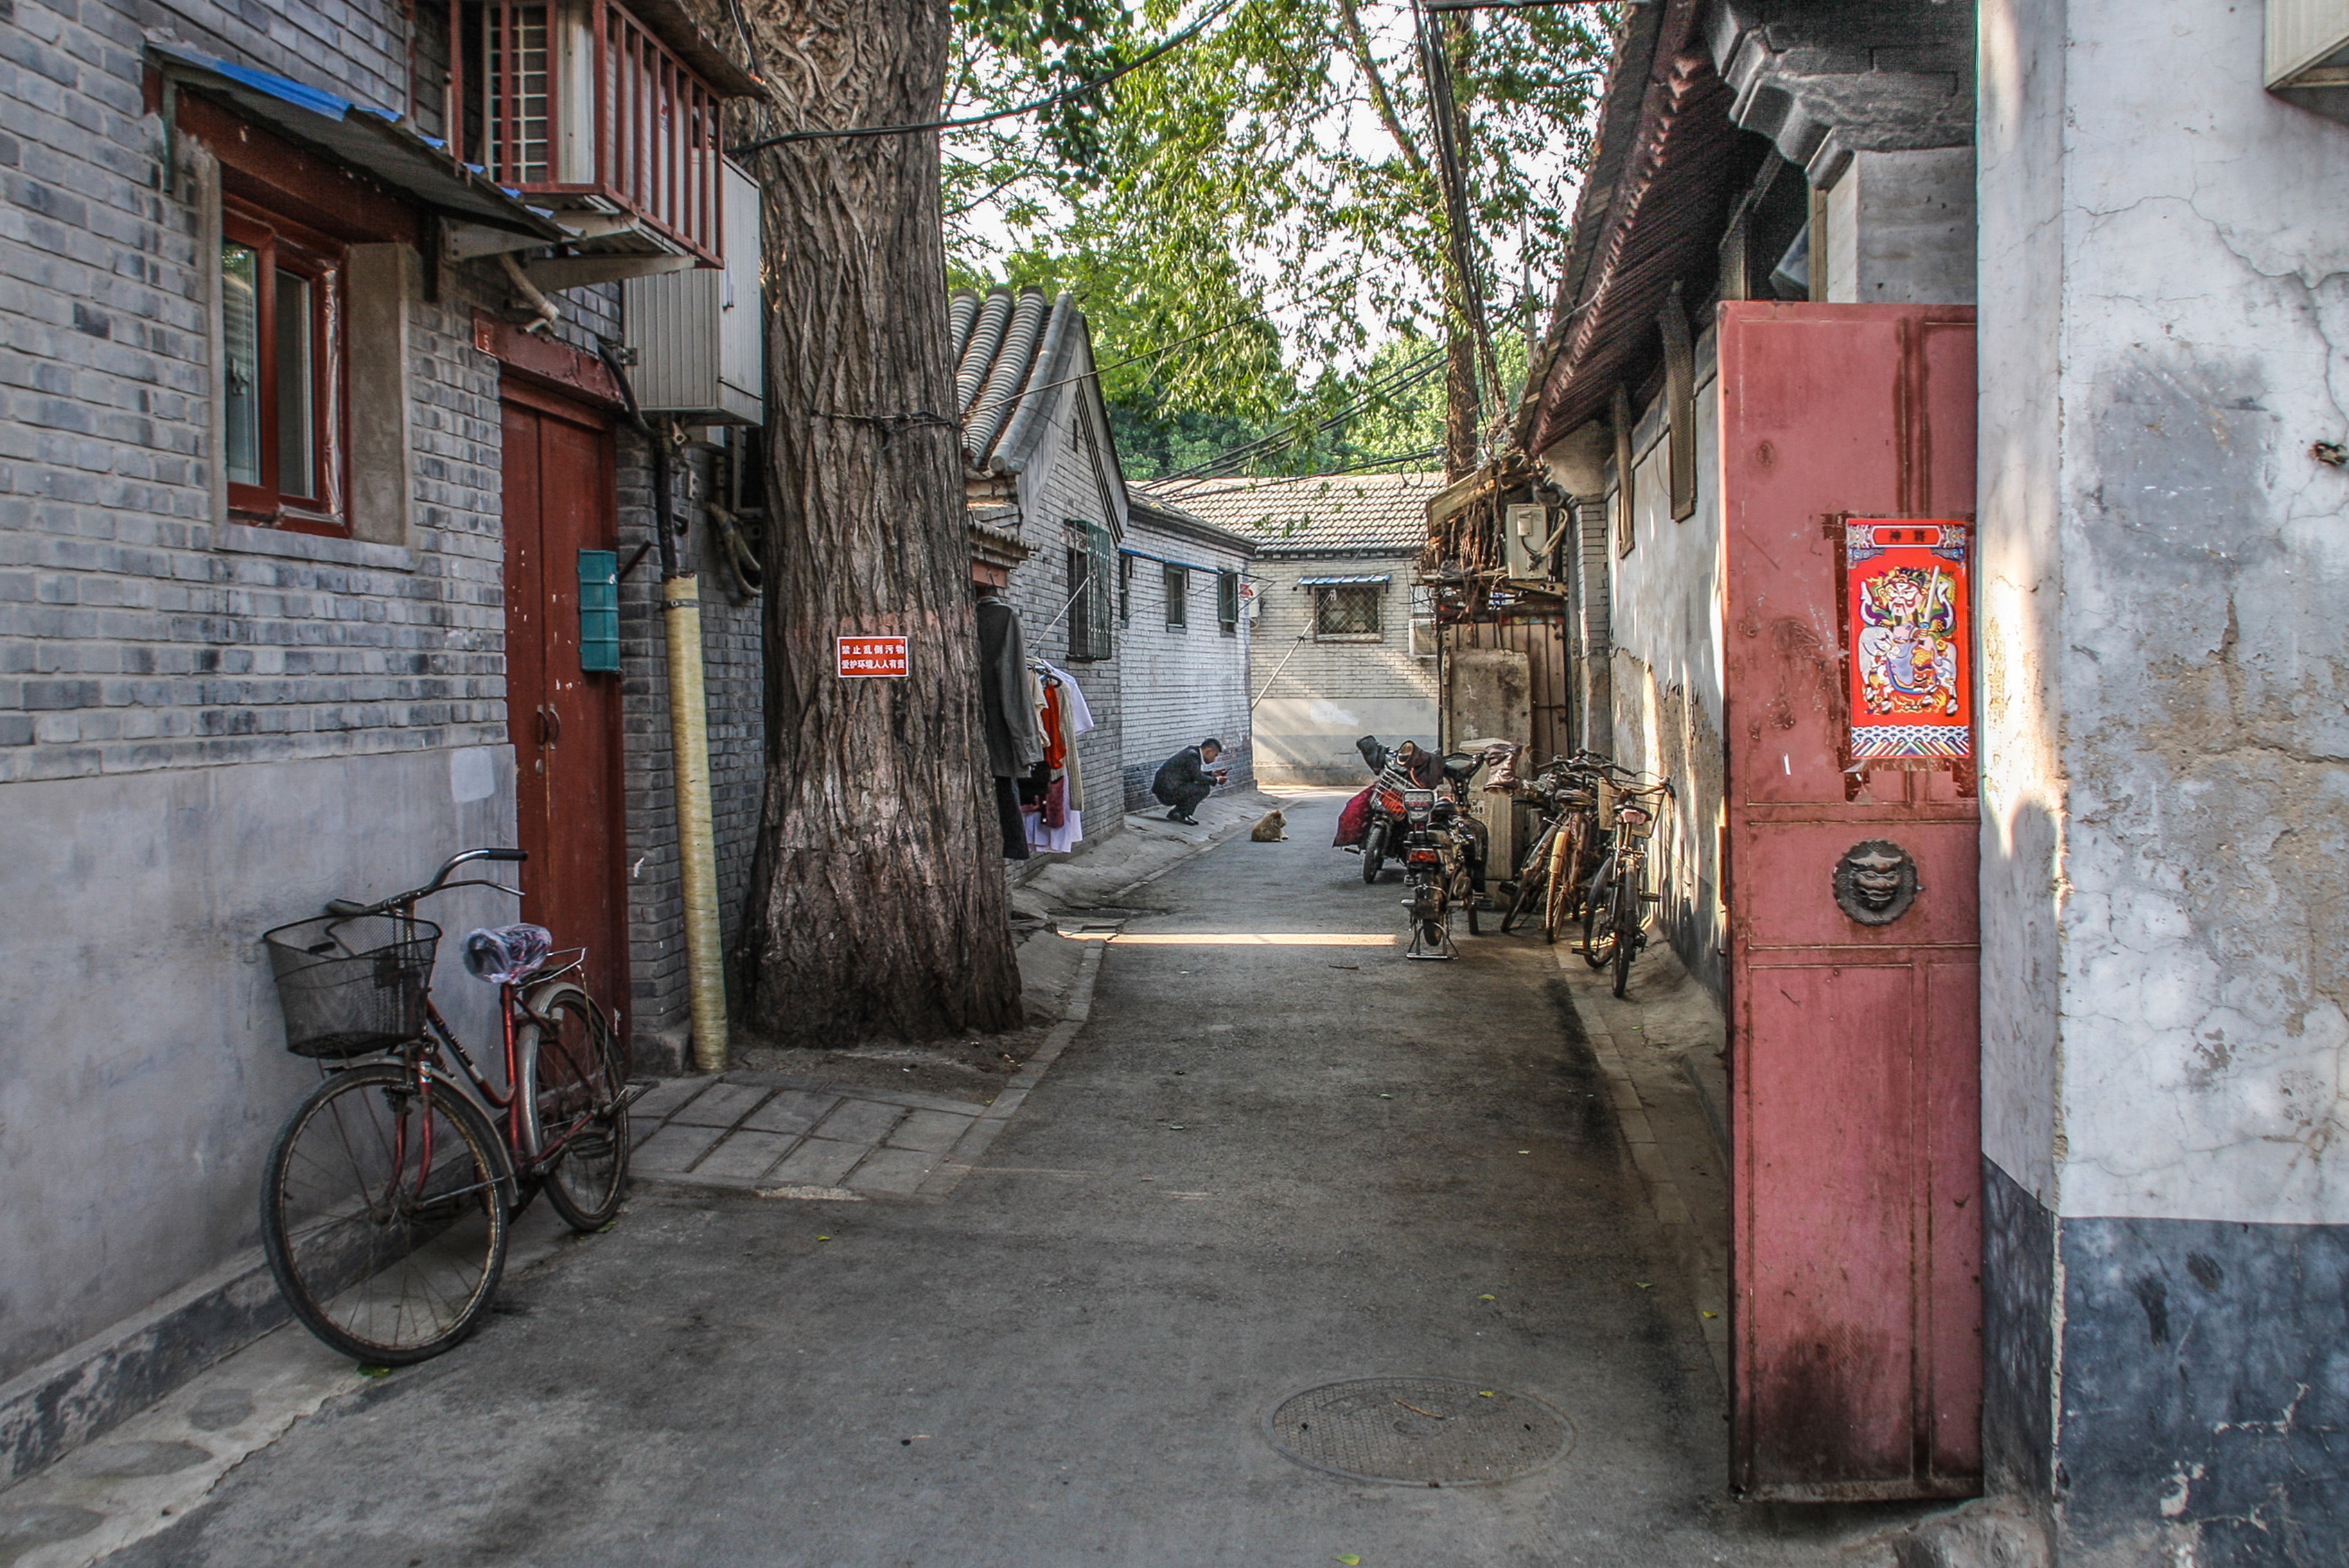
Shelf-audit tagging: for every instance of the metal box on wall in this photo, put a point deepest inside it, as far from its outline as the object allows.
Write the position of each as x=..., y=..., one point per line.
x=697, y=335
x=2308, y=54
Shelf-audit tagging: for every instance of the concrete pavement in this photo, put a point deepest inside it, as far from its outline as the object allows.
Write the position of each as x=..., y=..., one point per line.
x=1259, y=1168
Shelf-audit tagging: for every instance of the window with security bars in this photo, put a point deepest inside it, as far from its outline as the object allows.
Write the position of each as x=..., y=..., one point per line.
x=1228, y=601
x=1346, y=610
x=1089, y=588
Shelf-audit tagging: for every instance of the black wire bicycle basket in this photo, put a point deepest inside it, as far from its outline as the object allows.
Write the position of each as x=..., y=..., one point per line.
x=350, y=986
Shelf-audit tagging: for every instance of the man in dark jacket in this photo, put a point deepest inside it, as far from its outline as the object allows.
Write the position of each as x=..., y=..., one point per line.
x=1185, y=777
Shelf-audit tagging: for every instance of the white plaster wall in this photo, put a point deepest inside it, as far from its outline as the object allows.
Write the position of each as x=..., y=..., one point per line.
x=1667, y=602
x=143, y=1069
x=2019, y=582
x=2197, y=661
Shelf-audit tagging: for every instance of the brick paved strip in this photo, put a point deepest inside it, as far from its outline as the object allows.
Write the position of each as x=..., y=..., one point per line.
x=817, y=1162
x=722, y=1104
x=793, y=1111
x=898, y=1172
x=667, y=1096
x=861, y=1120
x=672, y=1151
x=931, y=1132
x=744, y=1156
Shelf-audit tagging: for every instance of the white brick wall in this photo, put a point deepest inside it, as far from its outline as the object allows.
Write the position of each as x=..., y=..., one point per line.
x=1182, y=684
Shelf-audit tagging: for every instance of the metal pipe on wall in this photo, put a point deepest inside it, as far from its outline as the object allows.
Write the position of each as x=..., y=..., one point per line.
x=689, y=730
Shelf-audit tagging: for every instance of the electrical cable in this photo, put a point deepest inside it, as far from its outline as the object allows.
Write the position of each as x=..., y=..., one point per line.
x=1406, y=376
x=1172, y=43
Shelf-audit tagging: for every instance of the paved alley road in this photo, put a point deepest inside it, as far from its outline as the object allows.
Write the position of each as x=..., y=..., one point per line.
x=1259, y=1169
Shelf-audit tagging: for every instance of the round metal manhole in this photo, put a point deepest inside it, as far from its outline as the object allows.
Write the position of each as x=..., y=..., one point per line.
x=1419, y=1431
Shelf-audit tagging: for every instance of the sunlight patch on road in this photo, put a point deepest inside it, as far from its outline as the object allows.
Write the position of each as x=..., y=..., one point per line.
x=1236, y=938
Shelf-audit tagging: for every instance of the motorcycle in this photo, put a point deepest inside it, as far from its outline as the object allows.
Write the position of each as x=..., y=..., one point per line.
x=1443, y=854
x=1383, y=839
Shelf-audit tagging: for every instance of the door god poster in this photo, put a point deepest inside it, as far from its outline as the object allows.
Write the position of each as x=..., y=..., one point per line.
x=1907, y=615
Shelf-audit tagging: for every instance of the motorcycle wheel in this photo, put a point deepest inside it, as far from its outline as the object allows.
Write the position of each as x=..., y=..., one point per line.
x=1374, y=846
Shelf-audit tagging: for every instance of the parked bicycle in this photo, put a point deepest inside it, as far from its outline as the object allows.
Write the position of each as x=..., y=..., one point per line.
x=1551, y=873
x=1617, y=906
x=391, y=1189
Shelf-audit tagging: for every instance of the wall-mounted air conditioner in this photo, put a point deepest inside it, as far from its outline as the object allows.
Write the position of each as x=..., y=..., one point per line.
x=697, y=333
x=2308, y=54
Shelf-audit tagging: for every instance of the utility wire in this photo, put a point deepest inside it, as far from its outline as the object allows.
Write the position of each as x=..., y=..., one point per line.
x=1244, y=483
x=1078, y=89
x=1406, y=376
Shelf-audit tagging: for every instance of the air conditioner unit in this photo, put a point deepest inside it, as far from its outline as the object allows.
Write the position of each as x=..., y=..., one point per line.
x=2308, y=54
x=698, y=334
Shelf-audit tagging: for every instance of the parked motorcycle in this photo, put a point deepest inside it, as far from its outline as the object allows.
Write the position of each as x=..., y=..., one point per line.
x=1443, y=854
x=1405, y=767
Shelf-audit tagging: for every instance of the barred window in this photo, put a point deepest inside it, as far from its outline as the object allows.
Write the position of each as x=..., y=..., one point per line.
x=1346, y=610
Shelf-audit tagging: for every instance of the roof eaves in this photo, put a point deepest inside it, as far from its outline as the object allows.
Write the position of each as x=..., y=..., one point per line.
x=1029, y=417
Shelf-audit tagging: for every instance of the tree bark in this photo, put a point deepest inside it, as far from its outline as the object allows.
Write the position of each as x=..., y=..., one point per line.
x=1462, y=407
x=878, y=901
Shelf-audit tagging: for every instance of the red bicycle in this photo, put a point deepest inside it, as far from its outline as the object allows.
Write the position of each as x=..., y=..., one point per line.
x=392, y=1187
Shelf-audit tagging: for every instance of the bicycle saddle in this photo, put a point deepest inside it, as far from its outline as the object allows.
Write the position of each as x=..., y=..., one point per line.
x=507, y=955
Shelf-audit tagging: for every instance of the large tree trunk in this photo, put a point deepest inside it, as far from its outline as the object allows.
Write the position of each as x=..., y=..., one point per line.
x=1462, y=413
x=878, y=904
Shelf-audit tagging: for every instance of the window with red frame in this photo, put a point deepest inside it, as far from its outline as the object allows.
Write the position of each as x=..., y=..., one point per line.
x=283, y=372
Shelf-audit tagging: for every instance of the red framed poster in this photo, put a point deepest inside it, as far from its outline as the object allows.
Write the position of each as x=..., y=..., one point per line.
x=1907, y=615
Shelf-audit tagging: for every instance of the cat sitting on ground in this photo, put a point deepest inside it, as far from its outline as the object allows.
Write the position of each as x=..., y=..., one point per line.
x=1269, y=830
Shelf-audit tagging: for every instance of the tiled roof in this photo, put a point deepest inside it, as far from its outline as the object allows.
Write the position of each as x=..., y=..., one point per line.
x=1013, y=355
x=1314, y=513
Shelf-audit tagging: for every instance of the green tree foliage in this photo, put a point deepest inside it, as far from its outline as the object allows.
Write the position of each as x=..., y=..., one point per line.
x=1276, y=174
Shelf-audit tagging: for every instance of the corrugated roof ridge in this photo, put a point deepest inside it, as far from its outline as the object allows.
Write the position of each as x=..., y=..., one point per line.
x=983, y=421
x=978, y=355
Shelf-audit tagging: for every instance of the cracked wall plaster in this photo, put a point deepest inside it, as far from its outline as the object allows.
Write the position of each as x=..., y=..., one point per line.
x=2165, y=661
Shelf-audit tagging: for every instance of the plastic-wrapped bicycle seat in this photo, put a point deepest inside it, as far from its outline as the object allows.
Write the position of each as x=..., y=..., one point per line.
x=507, y=955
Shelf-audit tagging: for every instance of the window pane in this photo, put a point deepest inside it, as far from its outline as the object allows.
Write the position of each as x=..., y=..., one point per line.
x=1177, y=588
x=240, y=361
x=297, y=465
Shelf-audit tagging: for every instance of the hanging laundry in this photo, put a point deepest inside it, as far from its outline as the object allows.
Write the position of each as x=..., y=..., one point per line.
x=1014, y=743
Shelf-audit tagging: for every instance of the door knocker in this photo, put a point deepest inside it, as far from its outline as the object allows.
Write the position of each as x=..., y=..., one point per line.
x=1875, y=882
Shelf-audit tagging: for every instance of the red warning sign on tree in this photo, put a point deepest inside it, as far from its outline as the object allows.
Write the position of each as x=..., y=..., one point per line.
x=872, y=657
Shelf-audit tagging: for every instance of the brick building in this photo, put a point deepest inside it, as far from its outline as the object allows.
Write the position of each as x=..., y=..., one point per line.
x=1049, y=508
x=1184, y=617
x=308, y=444
x=1339, y=647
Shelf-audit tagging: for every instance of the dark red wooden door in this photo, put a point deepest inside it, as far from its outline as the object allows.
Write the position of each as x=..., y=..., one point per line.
x=565, y=723
x=1856, y=1344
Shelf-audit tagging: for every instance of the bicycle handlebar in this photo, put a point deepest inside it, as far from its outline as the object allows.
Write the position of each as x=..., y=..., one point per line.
x=347, y=908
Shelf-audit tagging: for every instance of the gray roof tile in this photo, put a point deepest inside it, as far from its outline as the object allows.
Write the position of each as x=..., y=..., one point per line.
x=1314, y=512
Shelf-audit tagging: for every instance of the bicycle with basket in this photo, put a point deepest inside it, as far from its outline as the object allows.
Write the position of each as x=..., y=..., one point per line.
x=391, y=1189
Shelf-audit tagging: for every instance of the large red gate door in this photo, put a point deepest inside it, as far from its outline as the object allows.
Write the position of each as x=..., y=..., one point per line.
x=1856, y=1340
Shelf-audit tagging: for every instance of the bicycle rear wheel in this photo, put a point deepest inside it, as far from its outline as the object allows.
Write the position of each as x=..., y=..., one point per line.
x=575, y=1100
x=1565, y=864
x=384, y=1214
x=1533, y=885
x=1628, y=915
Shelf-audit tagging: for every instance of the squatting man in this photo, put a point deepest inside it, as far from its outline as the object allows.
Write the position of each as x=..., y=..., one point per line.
x=1186, y=779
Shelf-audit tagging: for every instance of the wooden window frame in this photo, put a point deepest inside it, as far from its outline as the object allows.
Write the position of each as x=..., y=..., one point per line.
x=279, y=243
x=1176, y=581
x=1227, y=602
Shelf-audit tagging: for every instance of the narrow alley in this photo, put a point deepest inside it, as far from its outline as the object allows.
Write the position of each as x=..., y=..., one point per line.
x=1259, y=1169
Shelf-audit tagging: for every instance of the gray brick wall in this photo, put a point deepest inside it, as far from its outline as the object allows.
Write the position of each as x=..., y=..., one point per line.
x=1064, y=486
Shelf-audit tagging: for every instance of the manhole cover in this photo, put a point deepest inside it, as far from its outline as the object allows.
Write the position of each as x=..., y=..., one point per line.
x=1423, y=1431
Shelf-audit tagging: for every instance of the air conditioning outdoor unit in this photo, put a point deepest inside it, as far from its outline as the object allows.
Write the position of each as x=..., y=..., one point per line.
x=697, y=333
x=2308, y=54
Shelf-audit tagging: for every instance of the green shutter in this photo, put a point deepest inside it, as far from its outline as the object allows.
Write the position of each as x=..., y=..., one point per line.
x=599, y=611
x=1101, y=551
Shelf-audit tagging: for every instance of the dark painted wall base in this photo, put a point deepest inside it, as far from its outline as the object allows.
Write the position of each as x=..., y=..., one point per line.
x=2205, y=1384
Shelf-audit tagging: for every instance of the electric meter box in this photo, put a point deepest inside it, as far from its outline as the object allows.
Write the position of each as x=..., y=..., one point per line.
x=698, y=334
x=2308, y=54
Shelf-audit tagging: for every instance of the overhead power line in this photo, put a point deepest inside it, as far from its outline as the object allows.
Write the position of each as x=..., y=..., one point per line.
x=1077, y=89
x=1409, y=374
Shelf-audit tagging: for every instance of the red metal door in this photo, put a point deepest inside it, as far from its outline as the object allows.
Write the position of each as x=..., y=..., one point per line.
x=1857, y=1341
x=565, y=723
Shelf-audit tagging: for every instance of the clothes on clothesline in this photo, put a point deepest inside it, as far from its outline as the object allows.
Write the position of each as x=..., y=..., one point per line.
x=1051, y=796
x=1014, y=744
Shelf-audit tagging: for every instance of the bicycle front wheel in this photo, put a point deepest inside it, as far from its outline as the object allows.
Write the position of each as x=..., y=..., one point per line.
x=1599, y=933
x=384, y=1214
x=574, y=1092
x=1565, y=860
x=1628, y=915
x=1533, y=884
